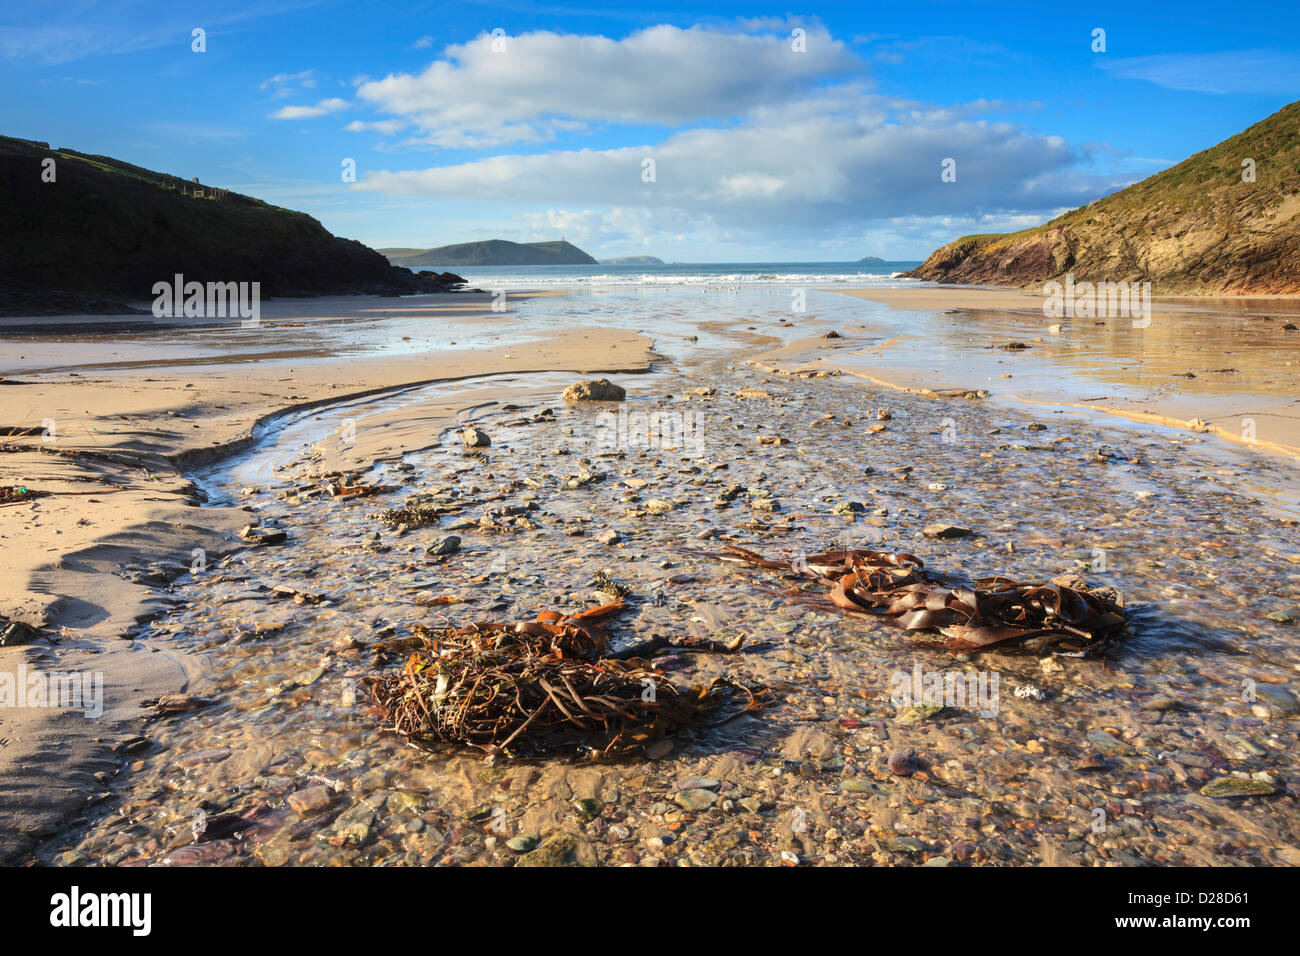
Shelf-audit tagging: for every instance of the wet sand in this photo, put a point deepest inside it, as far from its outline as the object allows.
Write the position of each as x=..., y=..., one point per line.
x=291, y=752
x=166, y=410
x=1225, y=366
x=132, y=415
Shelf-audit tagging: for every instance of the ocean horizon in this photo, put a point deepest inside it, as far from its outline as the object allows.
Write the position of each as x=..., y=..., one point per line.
x=684, y=273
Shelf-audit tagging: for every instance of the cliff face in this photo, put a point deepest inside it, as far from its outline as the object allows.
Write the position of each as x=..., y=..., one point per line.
x=1194, y=228
x=107, y=230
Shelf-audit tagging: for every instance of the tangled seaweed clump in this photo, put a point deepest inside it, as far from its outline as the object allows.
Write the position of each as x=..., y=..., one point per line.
x=1063, y=616
x=547, y=684
x=414, y=514
x=16, y=493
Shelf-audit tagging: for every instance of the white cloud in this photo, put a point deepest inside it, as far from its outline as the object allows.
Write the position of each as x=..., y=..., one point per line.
x=423, y=43
x=285, y=84
x=538, y=83
x=1261, y=72
x=794, y=167
x=792, y=149
x=388, y=127
x=331, y=105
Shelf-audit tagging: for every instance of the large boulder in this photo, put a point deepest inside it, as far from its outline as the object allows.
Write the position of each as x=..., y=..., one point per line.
x=595, y=390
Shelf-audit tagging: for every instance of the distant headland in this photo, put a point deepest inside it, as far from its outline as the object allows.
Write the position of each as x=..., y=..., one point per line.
x=492, y=252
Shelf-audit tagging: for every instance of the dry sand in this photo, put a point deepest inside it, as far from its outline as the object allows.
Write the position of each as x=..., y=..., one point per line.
x=125, y=425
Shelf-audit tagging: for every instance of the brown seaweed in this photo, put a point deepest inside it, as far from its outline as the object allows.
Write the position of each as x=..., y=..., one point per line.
x=550, y=683
x=1063, y=616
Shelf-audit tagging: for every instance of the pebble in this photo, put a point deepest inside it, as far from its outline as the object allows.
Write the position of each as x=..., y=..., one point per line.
x=1237, y=787
x=310, y=801
x=562, y=849
x=448, y=544
x=940, y=530
x=695, y=800
x=523, y=843
x=900, y=764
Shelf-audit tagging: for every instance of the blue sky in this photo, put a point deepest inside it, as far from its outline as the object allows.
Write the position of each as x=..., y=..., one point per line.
x=767, y=144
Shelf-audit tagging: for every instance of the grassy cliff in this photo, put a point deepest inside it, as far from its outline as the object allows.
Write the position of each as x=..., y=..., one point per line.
x=1194, y=228
x=108, y=230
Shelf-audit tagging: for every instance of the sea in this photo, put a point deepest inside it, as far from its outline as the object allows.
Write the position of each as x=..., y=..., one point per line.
x=686, y=274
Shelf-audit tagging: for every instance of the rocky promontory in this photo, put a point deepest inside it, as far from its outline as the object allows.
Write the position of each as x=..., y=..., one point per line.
x=84, y=233
x=1224, y=221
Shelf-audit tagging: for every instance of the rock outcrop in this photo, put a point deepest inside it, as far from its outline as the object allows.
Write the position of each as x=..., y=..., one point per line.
x=1224, y=221
x=83, y=233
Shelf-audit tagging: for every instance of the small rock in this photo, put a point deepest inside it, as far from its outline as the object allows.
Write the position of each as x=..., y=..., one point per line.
x=940, y=530
x=900, y=764
x=904, y=844
x=1089, y=762
x=696, y=800
x=256, y=535
x=523, y=843
x=914, y=715
x=311, y=801
x=475, y=437
x=1277, y=699
x=659, y=749
x=962, y=850
x=856, y=785
x=353, y=826
x=445, y=545
x=563, y=849
x=1236, y=787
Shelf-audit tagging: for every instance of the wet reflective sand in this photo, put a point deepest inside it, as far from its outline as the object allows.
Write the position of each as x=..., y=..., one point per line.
x=1231, y=363
x=1094, y=762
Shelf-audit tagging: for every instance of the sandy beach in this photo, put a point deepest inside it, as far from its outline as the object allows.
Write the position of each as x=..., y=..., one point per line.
x=149, y=420
x=1226, y=366
x=122, y=518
